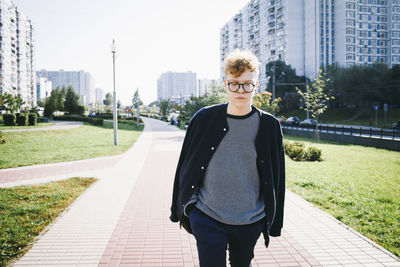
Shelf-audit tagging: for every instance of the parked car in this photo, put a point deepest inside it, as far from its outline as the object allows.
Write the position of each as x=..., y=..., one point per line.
x=281, y=120
x=309, y=122
x=292, y=121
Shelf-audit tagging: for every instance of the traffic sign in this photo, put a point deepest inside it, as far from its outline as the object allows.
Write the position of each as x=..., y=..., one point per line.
x=376, y=107
x=385, y=107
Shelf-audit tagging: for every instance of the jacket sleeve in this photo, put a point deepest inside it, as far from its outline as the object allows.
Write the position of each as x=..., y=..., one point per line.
x=278, y=220
x=186, y=143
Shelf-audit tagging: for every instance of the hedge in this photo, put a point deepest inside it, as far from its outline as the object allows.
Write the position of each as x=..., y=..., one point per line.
x=22, y=119
x=32, y=119
x=9, y=119
x=91, y=120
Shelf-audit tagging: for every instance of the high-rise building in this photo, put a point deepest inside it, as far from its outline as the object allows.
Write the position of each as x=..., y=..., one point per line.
x=205, y=86
x=17, y=53
x=81, y=81
x=176, y=86
x=43, y=88
x=309, y=34
x=99, y=95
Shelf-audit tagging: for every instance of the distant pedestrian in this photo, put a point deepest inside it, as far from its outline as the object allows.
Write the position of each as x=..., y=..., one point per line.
x=230, y=180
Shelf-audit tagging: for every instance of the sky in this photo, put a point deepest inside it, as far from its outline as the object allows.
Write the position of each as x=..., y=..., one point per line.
x=151, y=36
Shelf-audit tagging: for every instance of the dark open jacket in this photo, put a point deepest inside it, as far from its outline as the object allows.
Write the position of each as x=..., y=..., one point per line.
x=205, y=132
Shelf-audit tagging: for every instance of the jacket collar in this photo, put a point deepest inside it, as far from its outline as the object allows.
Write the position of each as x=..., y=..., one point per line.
x=225, y=109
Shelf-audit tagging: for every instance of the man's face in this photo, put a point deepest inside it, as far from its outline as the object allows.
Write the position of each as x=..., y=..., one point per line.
x=241, y=98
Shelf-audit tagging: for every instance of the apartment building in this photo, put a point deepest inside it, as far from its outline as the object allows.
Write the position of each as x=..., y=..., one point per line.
x=309, y=34
x=17, y=54
x=82, y=82
x=205, y=86
x=43, y=88
x=176, y=86
x=99, y=95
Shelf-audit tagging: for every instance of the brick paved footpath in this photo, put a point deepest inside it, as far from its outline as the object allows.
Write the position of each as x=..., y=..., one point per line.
x=122, y=220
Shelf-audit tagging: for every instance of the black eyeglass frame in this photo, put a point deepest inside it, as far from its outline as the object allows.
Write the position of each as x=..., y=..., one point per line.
x=241, y=85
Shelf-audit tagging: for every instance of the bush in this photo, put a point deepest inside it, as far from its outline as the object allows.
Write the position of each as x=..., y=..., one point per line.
x=22, y=119
x=33, y=118
x=2, y=139
x=91, y=120
x=9, y=119
x=313, y=154
x=106, y=116
x=298, y=152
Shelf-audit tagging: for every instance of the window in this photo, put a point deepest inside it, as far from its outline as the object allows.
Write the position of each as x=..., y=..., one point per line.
x=395, y=34
x=351, y=5
x=350, y=14
x=350, y=22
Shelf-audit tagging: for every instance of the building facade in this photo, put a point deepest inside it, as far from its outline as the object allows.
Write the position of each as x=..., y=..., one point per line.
x=176, y=86
x=81, y=81
x=309, y=34
x=205, y=86
x=17, y=54
x=43, y=88
x=99, y=95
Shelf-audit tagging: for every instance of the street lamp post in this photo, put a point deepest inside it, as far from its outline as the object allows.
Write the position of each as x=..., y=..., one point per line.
x=115, y=116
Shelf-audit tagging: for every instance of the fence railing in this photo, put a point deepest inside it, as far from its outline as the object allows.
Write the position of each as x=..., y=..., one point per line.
x=381, y=133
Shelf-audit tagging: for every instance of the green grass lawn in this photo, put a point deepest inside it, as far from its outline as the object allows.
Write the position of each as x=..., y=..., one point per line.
x=26, y=210
x=87, y=141
x=359, y=186
x=39, y=125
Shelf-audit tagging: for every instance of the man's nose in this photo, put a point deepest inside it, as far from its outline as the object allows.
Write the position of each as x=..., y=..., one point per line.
x=241, y=89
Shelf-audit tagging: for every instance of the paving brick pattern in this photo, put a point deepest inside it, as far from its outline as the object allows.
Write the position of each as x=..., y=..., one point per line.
x=123, y=221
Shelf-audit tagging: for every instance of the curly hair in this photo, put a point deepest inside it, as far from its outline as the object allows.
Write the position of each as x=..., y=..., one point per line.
x=239, y=61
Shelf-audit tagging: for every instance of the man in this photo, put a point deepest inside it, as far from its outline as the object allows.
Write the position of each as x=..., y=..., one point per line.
x=230, y=180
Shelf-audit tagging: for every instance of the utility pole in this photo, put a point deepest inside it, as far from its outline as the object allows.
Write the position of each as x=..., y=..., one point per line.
x=273, y=81
x=115, y=118
x=137, y=110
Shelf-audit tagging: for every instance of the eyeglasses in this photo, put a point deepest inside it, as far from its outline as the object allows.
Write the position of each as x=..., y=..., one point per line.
x=247, y=87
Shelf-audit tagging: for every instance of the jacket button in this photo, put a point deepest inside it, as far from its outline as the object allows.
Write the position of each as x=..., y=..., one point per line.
x=192, y=186
x=224, y=129
x=262, y=161
x=212, y=148
x=202, y=167
x=266, y=183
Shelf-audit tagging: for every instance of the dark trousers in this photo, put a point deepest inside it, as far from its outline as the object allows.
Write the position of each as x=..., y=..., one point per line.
x=214, y=238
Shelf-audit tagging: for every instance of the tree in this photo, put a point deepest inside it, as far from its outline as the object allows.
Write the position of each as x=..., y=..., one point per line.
x=40, y=103
x=71, y=103
x=61, y=98
x=218, y=95
x=315, y=98
x=51, y=104
x=136, y=102
x=263, y=101
x=11, y=103
x=285, y=74
x=164, y=107
x=363, y=86
x=107, y=101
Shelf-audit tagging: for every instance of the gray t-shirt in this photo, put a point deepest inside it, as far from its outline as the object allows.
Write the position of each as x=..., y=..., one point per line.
x=230, y=192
